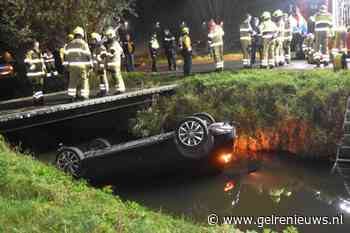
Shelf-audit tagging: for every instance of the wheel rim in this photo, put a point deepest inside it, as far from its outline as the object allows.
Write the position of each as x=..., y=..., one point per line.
x=191, y=133
x=69, y=162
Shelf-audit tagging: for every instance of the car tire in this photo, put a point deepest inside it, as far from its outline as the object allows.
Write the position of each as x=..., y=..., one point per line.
x=192, y=138
x=69, y=160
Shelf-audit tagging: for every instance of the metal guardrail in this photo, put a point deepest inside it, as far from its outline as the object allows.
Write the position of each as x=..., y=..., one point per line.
x=70, y=106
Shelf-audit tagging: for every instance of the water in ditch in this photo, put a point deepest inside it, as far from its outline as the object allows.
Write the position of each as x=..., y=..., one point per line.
x=282, y=186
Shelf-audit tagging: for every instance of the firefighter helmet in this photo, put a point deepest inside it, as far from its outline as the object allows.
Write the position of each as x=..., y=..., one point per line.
x=95, y=36
x=323, y=8
x=79, y=31
x=277, y=13
x=266, y=15
x=110, y=33
x=70, y=37
x=185, y=30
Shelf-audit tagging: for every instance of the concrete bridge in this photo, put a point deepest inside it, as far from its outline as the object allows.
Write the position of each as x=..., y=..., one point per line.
x=19, y=114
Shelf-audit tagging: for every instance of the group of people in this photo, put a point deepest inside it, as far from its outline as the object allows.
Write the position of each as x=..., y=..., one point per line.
x=171, y=45
x=82, y=59
x=316, y=38
x=271, y=38
x=167, y=40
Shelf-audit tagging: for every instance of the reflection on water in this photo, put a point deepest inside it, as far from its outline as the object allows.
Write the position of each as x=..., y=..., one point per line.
x=280, y=187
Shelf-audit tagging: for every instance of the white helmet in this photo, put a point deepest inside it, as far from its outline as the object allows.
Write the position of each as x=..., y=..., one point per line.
x=79, y=31
x=110, y=33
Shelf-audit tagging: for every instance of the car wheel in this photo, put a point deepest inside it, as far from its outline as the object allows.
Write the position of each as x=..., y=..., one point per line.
x=206, y=117
x=99, y=144
x=192, y=138
x=68, y=160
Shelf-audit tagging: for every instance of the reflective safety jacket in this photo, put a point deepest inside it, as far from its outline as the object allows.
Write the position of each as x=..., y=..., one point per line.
x=268, y=29
x=169, y=43
x=49, y=59
x=323, y=22
x=78, y=54
x=216, y=36
x=99, y=54
x=35, y=63
x=114, y=53
x=246, y=31
x=186, y=44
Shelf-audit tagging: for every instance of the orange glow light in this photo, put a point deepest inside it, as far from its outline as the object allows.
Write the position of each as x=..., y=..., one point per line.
x=225, y=158
x=229, y=186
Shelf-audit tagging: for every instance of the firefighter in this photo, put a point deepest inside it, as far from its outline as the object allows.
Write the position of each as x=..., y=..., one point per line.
x=186, y=51
x=216, y=42
x=77, y=56
x=246, y=40
x=287, y=39
x=323, y=25
x=50, y=63
x=169, y=45
x=129, y=50
x=99, y=53
x=113, y=60
x=279, y=52
x=268, y=30
x=36, y=71
x=154, y=46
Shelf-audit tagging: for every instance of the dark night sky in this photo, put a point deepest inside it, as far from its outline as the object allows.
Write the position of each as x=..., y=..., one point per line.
x=171, y=12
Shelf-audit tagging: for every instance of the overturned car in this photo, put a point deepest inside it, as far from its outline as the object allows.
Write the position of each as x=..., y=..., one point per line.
x=197, y=144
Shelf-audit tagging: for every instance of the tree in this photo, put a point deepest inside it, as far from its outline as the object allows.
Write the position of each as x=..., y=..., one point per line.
x=50, y=21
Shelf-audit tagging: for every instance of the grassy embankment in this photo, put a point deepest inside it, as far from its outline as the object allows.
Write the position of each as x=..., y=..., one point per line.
x=296, y=111
x=37, y=198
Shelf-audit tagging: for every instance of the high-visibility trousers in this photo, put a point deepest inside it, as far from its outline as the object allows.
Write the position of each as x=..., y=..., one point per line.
x=115, y=72
x=268, y=52
x=101, y=75
x=279, y=52
x=37, y=82
x=321, y=46
x=287, y=50
x=218, y=54
x=246, y=46
x=78, y=82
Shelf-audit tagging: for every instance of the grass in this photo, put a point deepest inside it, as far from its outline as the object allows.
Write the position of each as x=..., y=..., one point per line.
x=296, y=111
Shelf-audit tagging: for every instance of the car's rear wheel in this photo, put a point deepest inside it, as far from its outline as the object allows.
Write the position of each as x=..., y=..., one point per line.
x=68, y=160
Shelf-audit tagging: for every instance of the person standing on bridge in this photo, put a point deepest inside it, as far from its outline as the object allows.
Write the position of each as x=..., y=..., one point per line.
x=99, y=53
x=114, y=54
x=216, y=42
x=268, y=30
x=36, y=71
x=323, y=26
x=77, y=57
x=186, y=50
x=246, y=31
